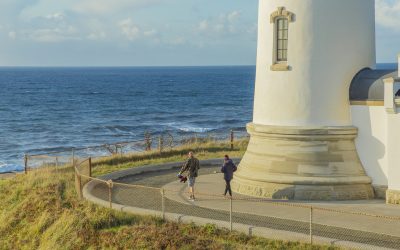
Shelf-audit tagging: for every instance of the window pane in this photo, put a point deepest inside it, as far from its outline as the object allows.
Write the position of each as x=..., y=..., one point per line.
x=285, y=34
x=284, y=55
x=281, y=39
x=280, y=44
x=279, y=55
x=280, y=24
x=285, y=23
x=280, y=34
x=285, y=44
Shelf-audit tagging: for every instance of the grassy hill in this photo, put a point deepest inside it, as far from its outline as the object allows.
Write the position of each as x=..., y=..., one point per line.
x=41, y=211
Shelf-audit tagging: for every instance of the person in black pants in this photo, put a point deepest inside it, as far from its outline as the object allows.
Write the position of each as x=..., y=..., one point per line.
x=228, y=169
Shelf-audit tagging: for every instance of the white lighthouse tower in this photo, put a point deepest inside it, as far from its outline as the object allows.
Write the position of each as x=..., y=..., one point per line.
x=302, y=138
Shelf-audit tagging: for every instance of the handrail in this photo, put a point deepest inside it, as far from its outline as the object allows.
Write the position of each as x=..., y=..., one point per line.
x=83, y=148
x=274, y=202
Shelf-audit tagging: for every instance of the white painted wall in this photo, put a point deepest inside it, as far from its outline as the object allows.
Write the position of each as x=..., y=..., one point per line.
x=329, y=42
x=394, y=150
x=378, y=144
x=371, y=142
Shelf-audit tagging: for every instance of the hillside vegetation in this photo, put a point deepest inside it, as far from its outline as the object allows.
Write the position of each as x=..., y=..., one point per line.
x=41, y=211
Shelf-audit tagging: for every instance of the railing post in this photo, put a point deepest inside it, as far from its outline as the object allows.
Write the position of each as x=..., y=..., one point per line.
x=232, y=138
x=73, y=157
x=56, y=164
x=311, y=224
x=163, y=203
x=147, y=138
x=26, y=163
x=80, y=185
x=160, y=144
x=90, y=166
x=110, y=187
x=230, y=213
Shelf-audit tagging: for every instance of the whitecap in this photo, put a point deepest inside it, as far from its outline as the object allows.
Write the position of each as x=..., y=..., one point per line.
x=8, y=168
x=189, y=128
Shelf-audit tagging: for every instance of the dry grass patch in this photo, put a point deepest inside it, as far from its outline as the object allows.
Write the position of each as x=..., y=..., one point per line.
x=41, y=211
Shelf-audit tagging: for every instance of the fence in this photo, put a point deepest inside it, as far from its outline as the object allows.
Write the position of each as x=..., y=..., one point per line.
x=272, y=219
x=161, y=142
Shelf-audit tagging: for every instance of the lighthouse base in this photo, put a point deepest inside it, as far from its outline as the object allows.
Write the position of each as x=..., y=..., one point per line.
x=302, y=164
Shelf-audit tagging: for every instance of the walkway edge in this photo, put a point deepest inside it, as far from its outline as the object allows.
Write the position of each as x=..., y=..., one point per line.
x=180, y=218
x=153, y=168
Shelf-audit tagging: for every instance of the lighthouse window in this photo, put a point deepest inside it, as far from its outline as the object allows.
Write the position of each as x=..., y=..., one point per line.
x=282, y=39
x=281, y=18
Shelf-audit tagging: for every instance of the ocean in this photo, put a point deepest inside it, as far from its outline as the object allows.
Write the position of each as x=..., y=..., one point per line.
x=53, y=109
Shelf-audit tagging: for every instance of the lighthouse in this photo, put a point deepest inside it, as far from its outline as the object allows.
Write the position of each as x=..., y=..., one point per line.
x=302, y=141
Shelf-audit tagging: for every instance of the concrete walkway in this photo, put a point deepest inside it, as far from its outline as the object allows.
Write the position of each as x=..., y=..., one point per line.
x=210, y=188
x=271, y=219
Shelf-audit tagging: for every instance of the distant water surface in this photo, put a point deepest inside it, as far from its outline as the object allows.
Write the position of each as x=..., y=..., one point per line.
x=45, y=109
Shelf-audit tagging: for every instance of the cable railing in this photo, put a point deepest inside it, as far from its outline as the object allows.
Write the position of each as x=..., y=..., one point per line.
x=158, y=142
x=275, y=219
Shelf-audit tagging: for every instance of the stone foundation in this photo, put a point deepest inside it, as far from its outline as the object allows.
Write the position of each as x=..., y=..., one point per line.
x=392, y=196
x=380, y=191
x=302, y=164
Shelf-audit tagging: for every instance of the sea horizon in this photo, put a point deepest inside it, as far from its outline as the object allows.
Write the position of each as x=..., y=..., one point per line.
x=387, y=65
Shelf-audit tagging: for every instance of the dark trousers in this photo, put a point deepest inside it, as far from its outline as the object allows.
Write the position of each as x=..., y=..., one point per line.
x=228, y=187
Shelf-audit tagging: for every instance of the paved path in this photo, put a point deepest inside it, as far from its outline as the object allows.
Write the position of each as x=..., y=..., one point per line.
x=256, y=212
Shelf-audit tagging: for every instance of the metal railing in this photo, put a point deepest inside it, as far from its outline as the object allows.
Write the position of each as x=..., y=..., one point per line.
x=160, y=142
x=273, y=219
x=270, y=218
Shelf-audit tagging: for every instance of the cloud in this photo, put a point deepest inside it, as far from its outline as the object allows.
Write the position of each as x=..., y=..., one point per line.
x=150, y=33
x=388, y=14
x=233, y=16
x=101, y=35
x=52, y=35
x=129, y=29
x=56, y=17
x=203, y=25
x=225, y=24
x=120, y=27
x=107, y=6
x=177, y=41
x=12, y=35
x=50, y=28
x=134, y=32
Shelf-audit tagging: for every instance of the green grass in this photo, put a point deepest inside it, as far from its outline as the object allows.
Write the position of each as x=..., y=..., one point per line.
x=203, y=150
x=41, y=211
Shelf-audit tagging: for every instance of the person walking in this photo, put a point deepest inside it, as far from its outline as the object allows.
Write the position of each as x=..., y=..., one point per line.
x=228, y=169
x=192, y=165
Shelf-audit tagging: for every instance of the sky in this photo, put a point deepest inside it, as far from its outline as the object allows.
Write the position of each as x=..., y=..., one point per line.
x=148, y=32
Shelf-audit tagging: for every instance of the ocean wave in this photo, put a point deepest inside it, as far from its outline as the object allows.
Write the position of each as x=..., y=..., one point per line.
x=8, y=168
x=190, y=128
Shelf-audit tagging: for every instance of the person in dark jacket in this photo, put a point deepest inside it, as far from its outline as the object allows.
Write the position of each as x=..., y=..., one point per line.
x=228, y=169
x=192, y=166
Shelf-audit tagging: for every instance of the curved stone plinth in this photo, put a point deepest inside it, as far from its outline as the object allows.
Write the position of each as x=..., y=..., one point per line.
x=302, y=164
